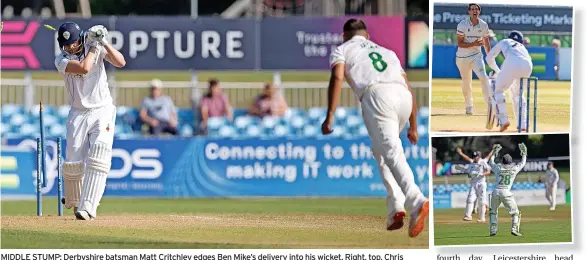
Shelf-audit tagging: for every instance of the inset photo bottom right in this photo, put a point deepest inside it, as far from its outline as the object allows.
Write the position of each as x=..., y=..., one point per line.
x=507, y=189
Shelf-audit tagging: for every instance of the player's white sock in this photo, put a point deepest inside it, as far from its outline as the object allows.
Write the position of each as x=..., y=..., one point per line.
x=481, y=211
x=97, y=168
x=553, y=202
x=469, y=208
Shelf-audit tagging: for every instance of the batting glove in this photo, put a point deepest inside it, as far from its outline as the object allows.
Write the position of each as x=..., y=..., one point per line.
x=523, y=149
x=98, y=33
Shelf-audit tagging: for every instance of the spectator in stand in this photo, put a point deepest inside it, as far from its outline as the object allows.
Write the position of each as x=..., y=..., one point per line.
x=158, y=111
x=214, y=104
x=269, y=103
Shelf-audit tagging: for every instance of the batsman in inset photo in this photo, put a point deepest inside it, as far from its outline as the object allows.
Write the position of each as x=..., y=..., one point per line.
x=506, y=76
x=512, y=182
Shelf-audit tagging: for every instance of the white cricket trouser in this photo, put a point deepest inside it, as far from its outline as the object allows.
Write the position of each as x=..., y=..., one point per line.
x=551, y=189
x=466, y=67
x=386, y=109
x=497, y=198
x=512, y=70
x=477, y=190
x=86, y=127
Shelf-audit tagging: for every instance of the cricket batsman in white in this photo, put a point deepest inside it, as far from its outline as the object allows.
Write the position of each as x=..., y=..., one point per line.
x=472, y=33
x=552, y=178
x=477, y=170
x=376, y=76
x=505, y=174
x=517, y=64
x=90, y=124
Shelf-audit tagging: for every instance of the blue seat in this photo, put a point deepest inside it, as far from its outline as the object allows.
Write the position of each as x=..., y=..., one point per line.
x=242, y=122
x=353, y=121
x=341, y=113
x=362, y=131
x=269, y=122
x=281, y=131
x=297, y=122
x=310, y=131
x=216, y=122
x=253, y=131
x=227, y=131
x=57, y=130
x=28, y=129
x=18, y=119
x=10, y=109
x=185, y=116
x=47, y=110
x=316, y=113
x=424, y=112
x=186, y=130
x=63, y=111
x=238, y=112
x=292, y=112
x=5, y=128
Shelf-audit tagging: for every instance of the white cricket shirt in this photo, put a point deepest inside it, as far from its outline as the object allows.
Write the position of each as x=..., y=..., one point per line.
x=511, y=50
x=477, y=169
x=367, y=63
x=505, y=175
x=472, y=33
x=552, y=176
x=89, y=90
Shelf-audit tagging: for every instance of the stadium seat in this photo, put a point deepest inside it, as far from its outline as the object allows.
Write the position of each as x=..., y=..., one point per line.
x=185, y=116
x=186, y=130
x=238, y=112
x=11, y=109
x=353, y=121
x=281, y=131
x=362, y=131
x=28, y=129
x=310, y=131
x=226, y=131
x=18, y=119
x=316, y=113
x=216, y=122
x=269, y=122
x=242, y=122
x=63, y=111
x=57, y=130
x=253, y=131
x=297, y=122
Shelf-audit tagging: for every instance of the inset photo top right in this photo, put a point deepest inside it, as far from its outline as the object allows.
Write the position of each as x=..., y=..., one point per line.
x=501, y=68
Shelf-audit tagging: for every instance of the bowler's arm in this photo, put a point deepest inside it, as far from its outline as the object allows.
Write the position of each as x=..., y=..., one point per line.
x=464, y=156
x=334, y=88
x=114, y=57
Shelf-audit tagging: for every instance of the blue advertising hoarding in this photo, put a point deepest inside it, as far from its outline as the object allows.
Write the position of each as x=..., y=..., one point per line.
x=17, y=171
x=508, y=17
x=199, y=167
x=444, y=62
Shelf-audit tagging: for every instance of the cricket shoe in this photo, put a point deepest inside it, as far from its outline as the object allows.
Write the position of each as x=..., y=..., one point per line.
x=83, y=215
x=493, y=229
x=504, y=126
x=481, y=221
x=465, y=218
x=552, y=209
x=516, y=233
x=418, y=219
x=469, y=111
x=398, y=221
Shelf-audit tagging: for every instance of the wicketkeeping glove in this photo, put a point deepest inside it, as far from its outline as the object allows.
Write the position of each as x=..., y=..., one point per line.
x=523, y=149
x=98, y=33
x=496, y=149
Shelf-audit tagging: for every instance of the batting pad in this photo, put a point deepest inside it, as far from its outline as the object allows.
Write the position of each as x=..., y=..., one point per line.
x=97, y=168
x=72, y=180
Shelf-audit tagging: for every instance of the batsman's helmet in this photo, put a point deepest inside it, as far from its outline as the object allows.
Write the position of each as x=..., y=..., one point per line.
x=507, y=159
x=69, y=33
x=517, y=36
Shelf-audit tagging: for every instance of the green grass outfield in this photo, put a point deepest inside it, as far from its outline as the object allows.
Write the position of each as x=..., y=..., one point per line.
x=448, y=108
x=539, y=225
x=207, y=223
x=223, y=76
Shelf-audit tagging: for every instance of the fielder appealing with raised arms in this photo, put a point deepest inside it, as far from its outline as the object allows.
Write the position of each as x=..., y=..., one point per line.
x=505, y=174
x=517, y=64
x=477, y=170
x=376, y=76
x=472, y=33
x=90, y=124
x=552, y=178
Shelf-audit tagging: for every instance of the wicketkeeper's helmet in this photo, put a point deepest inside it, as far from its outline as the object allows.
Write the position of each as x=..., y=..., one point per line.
x=507, y=159
x=69, y=33
x=517, y=36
